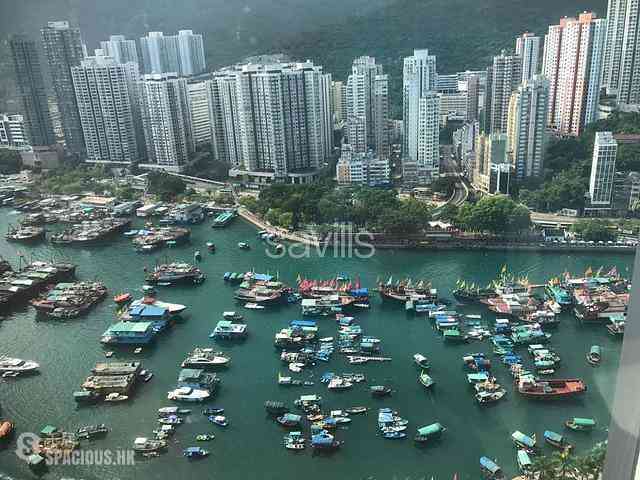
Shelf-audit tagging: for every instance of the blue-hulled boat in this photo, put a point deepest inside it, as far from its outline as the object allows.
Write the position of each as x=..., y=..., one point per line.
x=490, y=469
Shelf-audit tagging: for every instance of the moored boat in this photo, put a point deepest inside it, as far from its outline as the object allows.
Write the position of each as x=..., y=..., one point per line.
x=524, y=442
x=550, y=389
x=421, y=361
x=380, y=390
x=581, y=424
x=491, y=469
x=524, y=462
x=556, y=440
x=594, y=357
x=425, y=380
x=195, y=452
x=429, y=433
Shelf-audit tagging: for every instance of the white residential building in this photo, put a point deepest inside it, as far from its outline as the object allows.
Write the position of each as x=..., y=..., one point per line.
x=120, y=49
x=622, y=24
x=199, y=108
x=419, y=77
x=603, y=169
x=12, y=131
x=166, y=121
x=527, y=127
x=107, y=100
x=528, y=49
x=621, y=70
x=428, y=137
x=573, y=56
x=361, y=168
x=367, y=101
x=272, y=122
x=182, y=53
x=503, y=78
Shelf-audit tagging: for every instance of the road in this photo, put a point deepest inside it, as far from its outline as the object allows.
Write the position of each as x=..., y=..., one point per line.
x=449, y=167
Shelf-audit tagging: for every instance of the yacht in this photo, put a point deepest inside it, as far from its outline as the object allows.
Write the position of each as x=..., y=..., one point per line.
x=8, y=364
x=188, y=394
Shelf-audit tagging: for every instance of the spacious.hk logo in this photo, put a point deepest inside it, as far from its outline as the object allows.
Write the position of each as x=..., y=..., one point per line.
x=28, y=443
x=343, y=243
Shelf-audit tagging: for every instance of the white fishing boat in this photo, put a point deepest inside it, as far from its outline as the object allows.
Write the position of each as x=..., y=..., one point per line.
x=254, y=306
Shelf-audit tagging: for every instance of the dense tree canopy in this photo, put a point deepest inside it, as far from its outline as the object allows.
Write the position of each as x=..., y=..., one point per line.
x=594, y=230
x=166, y=187
x=496, y=214
x=322, y=204
x=568, y=164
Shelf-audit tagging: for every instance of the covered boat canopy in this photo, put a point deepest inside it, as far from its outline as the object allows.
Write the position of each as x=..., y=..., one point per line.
x=523, y=459
x=477, y=377
x=291, y=418
x=595, y=351
x=489, y=465
x=429, y=430
x=584, y=422
x=526, y=440
x=553, y=436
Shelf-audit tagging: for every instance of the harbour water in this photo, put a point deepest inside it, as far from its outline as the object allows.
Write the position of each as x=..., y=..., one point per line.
x=251, y=447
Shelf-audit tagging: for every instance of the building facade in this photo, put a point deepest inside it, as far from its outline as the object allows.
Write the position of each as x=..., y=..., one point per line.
x=627, y=86
x=120, y=49
x=367, y=99
x=573, y=57
x=106, y=95
x=603, y=169
x=199, y=108
x=31, y=91
x=491, y=160
x=503, y=78
x=166, y=120
x=528, y=49
x=527, y=127
x=272, y=122
x=339, y=102
x=362, y=168
x=63, y=50
x=12, y=131
x=419, y=77
x=182, y=53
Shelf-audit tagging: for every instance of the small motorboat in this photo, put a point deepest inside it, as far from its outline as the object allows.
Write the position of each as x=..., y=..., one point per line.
x=289, y=420
x=10, y=374
x=581, y=424
x=195, y=452
x=429, y=432
x=148, y=376
x=211, y=247
x=380, y=390
x=294, y=441
x=356, y=410
x=243, y=246
x=108, y=354
x=205, y=437
x=556, y=440
x=524, y=442
x=253, y=306
x=394, y=435
x=122, y=298
x=421, y=361
x=212, y=411
x=219, y=420
x=233, y=316
x=138, y=350
x=148, y=289
x=425, y=380
x=594, y=357
x=170, y=420
x=491, y=469
x=116, y=397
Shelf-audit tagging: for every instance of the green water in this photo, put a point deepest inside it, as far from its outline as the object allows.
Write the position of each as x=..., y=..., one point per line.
x=251, y=446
